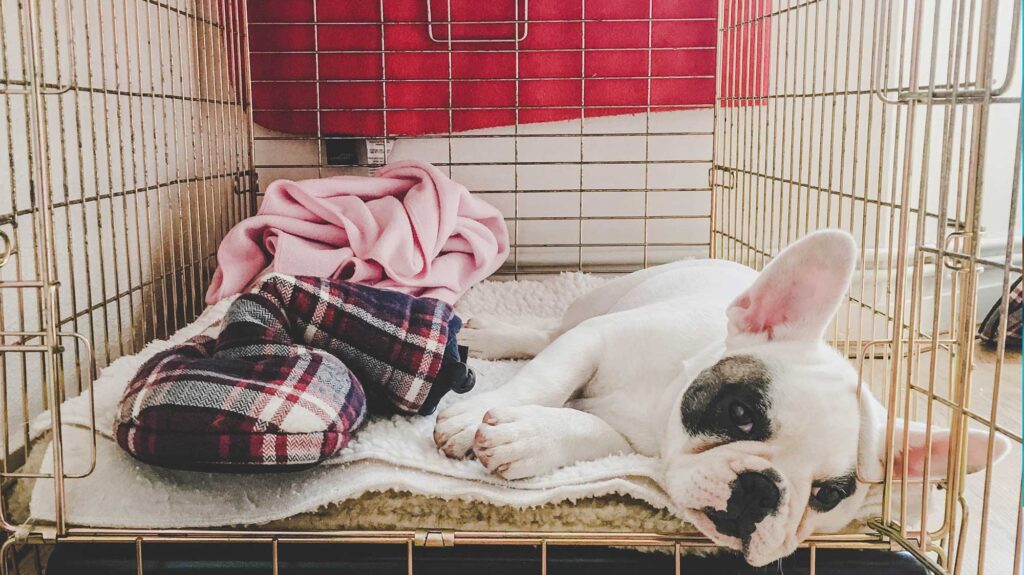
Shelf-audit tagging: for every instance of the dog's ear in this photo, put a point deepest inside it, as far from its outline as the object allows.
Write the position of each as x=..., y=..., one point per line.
x=977, y=451
x=798, y=292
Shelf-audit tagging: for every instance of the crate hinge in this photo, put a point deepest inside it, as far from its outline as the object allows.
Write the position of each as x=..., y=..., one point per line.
x=434, y=538
x=900, y=543
x=245, y=182
x=35, y=534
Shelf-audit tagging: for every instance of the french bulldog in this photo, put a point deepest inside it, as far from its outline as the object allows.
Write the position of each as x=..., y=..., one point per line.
x=721, y=372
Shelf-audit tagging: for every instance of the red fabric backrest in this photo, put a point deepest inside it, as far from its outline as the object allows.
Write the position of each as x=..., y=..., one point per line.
x=746, y=51
x=333, y=67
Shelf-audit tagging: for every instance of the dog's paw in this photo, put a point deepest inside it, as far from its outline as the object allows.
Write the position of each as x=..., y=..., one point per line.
x=457, y=424
x=516, y=442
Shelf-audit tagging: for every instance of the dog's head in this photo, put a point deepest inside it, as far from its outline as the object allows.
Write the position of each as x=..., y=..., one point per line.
x=765, y=446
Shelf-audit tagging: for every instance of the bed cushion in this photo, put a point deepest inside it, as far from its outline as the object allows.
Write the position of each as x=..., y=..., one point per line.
x=395, y=453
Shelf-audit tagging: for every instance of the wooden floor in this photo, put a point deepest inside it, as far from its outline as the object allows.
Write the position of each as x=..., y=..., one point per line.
x=1004, y=508
x=991, y=529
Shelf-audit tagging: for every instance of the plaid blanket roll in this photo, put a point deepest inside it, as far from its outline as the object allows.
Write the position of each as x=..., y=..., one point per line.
x=393, y=342
x=988, y=331
x=290, y=376
x=250, y=398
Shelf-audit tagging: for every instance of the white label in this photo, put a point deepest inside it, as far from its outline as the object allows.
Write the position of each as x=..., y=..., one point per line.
x=377, y=151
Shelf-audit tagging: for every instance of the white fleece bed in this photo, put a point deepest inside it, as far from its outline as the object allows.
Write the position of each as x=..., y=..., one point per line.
x=388, y=455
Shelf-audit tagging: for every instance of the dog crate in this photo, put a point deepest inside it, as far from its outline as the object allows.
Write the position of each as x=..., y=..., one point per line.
x=612, y=134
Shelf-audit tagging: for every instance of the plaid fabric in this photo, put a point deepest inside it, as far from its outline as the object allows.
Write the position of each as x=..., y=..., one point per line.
x=988, y=333
x=285, y=382
x=393, y=342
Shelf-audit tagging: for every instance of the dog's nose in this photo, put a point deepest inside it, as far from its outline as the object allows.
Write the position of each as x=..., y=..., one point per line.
x=754, y=496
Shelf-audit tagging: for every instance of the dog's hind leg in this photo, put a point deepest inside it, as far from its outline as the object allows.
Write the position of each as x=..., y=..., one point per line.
x=601, y=300
x=494, y=337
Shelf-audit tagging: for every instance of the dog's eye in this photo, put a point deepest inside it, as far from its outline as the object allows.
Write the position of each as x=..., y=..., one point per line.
x=741, y=417
x=827, y=497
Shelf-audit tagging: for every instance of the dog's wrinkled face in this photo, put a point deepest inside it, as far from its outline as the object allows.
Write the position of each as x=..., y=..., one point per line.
x=767, y=449
x=771, y=430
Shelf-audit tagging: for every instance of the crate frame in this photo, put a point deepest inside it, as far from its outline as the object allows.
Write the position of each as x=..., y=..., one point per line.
x=68, y=345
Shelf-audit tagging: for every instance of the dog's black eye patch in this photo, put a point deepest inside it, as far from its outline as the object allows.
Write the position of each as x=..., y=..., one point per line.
x=729, y=401
x=827, y=493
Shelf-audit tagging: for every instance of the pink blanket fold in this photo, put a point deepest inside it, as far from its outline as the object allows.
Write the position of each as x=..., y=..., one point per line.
x=409, y=228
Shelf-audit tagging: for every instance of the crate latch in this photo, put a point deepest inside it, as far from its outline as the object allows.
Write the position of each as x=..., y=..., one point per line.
x=721, y=177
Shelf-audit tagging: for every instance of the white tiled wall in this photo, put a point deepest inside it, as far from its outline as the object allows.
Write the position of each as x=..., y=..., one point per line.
x=580, y=177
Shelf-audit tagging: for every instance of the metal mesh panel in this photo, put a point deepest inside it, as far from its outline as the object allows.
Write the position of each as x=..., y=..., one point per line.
x=132, y=151
x=900, y=122
x=127, y=132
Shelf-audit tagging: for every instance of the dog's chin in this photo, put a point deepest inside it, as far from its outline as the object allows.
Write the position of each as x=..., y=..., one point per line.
x=705, y=526
x=751, y=554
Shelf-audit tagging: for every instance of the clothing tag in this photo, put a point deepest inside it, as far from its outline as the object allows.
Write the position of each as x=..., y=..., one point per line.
x=377, y=151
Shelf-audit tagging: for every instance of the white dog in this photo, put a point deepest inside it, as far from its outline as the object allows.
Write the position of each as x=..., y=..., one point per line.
x=721, y=372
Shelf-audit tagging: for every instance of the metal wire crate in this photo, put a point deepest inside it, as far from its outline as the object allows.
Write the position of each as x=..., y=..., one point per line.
x=129, y=127
x=883, y=118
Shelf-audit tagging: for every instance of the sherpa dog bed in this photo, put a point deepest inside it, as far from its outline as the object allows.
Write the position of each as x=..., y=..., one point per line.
x=391, y=476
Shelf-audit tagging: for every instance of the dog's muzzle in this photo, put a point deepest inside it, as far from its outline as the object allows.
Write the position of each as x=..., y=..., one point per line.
x=755, y=495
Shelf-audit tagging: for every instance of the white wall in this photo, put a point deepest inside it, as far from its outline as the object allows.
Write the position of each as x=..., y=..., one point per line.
x=567, y=157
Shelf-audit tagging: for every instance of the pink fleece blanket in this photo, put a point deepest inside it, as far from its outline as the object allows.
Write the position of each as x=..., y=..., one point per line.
x=409, y=228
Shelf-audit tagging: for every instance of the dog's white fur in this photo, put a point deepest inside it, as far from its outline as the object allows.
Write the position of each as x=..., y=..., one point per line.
x=612, y=377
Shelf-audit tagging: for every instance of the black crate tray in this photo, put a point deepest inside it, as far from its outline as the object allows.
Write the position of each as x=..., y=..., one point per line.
x=353, y=559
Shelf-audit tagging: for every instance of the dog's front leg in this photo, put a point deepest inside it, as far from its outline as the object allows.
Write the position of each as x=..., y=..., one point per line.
x=531, y=440
x=549, y=380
